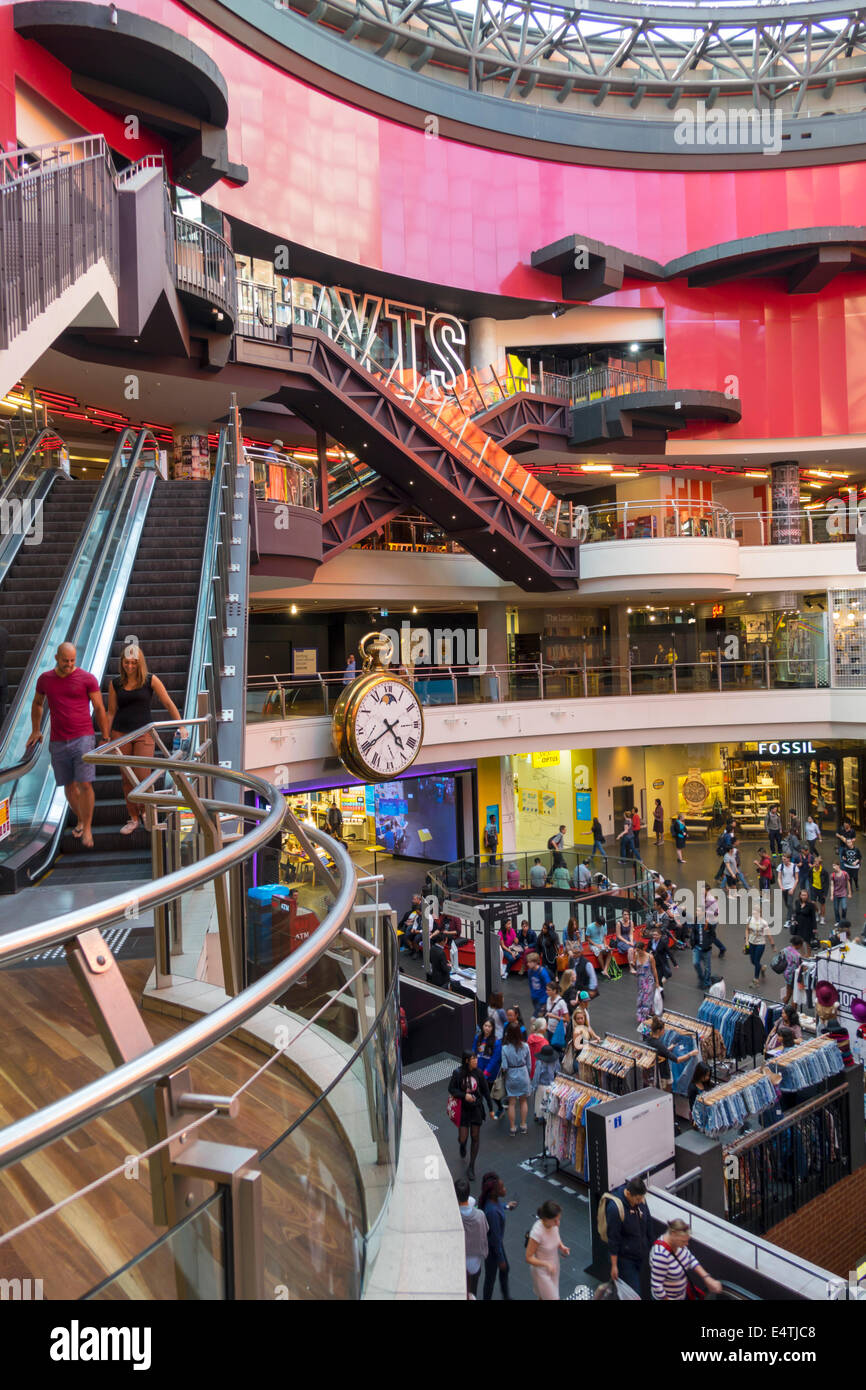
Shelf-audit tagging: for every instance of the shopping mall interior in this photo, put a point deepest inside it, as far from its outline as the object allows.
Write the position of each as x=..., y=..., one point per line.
x=432, y=500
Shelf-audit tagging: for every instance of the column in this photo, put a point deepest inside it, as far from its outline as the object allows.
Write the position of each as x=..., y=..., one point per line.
x=785, y=495
x=492, y=646
x=190, y=452
x=496, y=796
x=483, y=347
x=619, y=646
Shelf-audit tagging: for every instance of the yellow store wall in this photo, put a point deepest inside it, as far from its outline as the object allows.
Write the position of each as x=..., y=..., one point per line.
x=489, y=794
x=544, y=797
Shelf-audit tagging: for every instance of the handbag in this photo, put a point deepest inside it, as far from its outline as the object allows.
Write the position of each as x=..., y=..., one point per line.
x=562, y=961
x=454, y=1110
x=779, y=963
x=558, y=1039
x=658, y=1003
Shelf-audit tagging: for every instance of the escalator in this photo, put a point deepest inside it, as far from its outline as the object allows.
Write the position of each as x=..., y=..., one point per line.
x=429, y=452
x=27, y=592
x=160, y=612
x=85, y=609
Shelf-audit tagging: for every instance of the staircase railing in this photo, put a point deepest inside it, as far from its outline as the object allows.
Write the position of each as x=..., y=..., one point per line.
x=429, y=402
x=58, y=217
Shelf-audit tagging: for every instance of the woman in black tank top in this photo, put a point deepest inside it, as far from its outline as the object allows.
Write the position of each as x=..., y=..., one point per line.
x=129, y=708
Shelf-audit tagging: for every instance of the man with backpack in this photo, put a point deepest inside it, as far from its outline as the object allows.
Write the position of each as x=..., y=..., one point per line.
x=556, y=842
x=623, y=1223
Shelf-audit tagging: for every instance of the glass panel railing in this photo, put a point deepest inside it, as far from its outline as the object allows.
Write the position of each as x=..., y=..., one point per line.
x=188, y=1262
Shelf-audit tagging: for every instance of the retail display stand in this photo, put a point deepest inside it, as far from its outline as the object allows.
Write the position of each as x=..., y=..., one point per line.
x=627, y=1137
x=845, y=969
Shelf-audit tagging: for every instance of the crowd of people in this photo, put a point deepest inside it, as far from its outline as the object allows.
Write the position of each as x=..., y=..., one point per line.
x=503, y=1078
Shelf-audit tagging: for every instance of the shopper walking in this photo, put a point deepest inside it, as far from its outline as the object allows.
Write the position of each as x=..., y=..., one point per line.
x=672, y=1263
x=492, y=1203
x=703, y=939
x=813, y=832
x=475, y=1235
x=758, y=938
x=468, y=1086
x=764, y=865
x=840, y=892
x=440, y=962
x=543, y=1250
x=804, y=918
x=850, y=859
x=516, y=1064
x=647, y=982
x=786, y=877
x=793, y=954
x=488, y=1050
x=556, y=1018
x=635, y=830
x=711, y=917
x=538, y=976
x=723, y=844
x=659, y=823
x=334, y=820
x=819, y=883
x=70, y=693
x=628, y=1231
x=597, y=841
x=130, y=697
x=680, y=834
x=773, y=827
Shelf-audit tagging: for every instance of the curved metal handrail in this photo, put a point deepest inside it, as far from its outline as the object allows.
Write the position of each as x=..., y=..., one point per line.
x=53, y=1121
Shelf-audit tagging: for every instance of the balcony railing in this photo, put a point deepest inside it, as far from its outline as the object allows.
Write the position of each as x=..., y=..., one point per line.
x=670, y=519
x=205, y=265
x=279, y=479
x=288, y=696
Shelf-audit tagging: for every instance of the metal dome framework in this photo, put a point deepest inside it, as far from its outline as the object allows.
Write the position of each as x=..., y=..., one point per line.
x=508, y=48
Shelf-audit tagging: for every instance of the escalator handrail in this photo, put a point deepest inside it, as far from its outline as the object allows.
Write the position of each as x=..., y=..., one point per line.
x=46, y=432
x=200, y=648
x=34, y=500
x=38, y=655
x=20, y=769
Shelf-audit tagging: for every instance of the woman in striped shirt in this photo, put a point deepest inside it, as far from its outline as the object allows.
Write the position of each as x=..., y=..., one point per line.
x=671, y=1262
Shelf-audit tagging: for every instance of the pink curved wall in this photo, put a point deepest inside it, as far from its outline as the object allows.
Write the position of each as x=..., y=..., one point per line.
x=372, y=192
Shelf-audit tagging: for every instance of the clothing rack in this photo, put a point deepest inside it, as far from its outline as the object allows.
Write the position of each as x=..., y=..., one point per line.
x=689, y=1023
x=745, y=1011
x=742, y=1082
x=589, y=1056
x=792, y=1055
x=575, y=1142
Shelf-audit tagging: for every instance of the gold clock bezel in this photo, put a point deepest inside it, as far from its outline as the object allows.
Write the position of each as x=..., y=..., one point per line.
x=345, y=713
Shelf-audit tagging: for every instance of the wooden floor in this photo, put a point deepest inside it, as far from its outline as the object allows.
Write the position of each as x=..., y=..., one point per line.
x=49, y=1047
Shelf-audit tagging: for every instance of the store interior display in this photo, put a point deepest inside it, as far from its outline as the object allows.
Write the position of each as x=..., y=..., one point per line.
x=741, y=1028
x=752, y=789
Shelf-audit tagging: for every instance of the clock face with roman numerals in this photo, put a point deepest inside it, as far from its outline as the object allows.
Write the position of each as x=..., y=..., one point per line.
x=388, y=728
